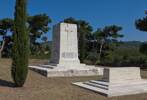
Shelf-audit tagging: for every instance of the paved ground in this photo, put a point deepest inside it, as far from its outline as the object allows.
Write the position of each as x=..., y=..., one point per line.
x=38, y=87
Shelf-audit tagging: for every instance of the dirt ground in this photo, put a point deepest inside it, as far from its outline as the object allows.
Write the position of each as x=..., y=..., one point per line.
x=38, y=87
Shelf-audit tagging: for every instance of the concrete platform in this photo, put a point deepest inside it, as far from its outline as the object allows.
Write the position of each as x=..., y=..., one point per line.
x=117, y=82
x=60, y=71
x=115, y=89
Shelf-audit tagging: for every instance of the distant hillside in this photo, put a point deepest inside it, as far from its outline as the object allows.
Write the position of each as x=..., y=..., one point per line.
x=123, y=44
x=130, y=44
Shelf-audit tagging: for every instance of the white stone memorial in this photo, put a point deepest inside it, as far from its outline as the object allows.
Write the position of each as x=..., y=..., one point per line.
x=64, y=60
x=65, y=45
x=117, y=82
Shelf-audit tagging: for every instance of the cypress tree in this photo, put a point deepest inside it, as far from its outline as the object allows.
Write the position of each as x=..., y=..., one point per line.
x=21, y=45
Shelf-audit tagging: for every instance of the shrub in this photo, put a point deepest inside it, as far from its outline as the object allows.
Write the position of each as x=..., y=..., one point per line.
x=21, y=45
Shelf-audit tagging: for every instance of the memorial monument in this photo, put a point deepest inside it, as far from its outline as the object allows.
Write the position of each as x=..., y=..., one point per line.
x=117, y=82
x=65, y=45
x=64, y=60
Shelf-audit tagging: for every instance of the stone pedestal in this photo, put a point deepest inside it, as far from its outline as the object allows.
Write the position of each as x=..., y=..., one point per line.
x=64, y=60
x=115, y=75
x=117, y=82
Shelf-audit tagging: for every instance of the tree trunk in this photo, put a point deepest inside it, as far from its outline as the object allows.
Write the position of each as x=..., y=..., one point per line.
x=1, y=49
x=101, y=49
x=82, y=48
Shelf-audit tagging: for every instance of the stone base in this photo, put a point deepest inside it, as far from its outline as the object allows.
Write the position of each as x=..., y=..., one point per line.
x=60, y=71
x=115, y=89
x=117, y=82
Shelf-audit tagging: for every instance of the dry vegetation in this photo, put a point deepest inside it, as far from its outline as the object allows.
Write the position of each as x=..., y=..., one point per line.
x=38, y=87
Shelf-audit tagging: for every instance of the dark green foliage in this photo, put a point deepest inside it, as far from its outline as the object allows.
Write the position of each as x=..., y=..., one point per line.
x=126, y=54
x=91, y=58
x=6, y=25
x=71, y=20
x=123, y=55
x=41, y=56
x=114, y=59
x=21, y=45
x=38, y=25
x=141, y=24
x=41, y=49
x=7, y=50
x=143, y=48
x=106, y=39
x=84, y=30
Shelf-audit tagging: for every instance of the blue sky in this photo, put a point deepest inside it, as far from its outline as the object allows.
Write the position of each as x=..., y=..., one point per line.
x=98, y=13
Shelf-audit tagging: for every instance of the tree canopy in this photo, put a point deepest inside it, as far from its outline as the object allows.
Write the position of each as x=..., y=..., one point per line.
x=37, y=26
x=141, y=24
x=106, y=35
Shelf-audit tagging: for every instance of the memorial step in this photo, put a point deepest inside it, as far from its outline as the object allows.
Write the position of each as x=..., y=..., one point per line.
x=101, y=86
x=99, y=82
x=39, y=69
x=54, y=71
x=92, y=88
x=116, y=89
x=126, y=83
x=117, y=82
x=47, y=66
x=103, y=83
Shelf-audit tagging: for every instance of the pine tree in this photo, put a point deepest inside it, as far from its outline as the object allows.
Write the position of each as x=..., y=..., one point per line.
x=21, y=45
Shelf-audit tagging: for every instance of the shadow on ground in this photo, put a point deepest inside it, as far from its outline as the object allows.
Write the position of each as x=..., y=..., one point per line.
x=5, y=83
